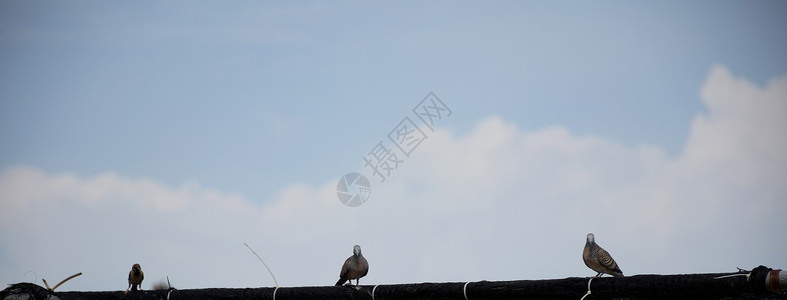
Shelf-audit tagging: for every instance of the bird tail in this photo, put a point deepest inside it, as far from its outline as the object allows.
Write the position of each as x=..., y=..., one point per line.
x=341, y=281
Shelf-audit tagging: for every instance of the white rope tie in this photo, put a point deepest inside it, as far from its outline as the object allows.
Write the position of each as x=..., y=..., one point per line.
x=375, y=287
x=464, y=290
x=588, y=293
x=170, y=292
x=274, y=292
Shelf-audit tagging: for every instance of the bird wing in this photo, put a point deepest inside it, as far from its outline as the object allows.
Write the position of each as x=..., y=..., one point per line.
x=345, y=267
x=606, y=260
x=343, y=275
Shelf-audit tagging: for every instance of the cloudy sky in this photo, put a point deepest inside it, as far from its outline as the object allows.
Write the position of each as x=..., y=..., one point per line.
x=170, y=133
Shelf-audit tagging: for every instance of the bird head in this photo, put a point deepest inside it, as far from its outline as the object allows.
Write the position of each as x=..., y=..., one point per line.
x=356, y=250
x=591, y=238
x=136, y=268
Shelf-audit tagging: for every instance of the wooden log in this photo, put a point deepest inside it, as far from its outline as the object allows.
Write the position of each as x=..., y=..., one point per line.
x=742, y=285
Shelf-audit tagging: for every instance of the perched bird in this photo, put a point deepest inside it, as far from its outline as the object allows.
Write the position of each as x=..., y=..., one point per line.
x=135, y=277
x=598, y=259
x=354, y=267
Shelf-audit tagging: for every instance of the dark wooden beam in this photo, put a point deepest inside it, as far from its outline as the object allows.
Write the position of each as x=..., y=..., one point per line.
x=741, y=285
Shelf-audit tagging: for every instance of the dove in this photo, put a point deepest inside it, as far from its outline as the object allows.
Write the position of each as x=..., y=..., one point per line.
x=354, y=267
x=135, y=277
x=598, y=259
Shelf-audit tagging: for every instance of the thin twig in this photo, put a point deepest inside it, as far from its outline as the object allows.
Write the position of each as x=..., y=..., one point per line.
x=264, y=264
x=67, y=279
x=35, y=276
x=732, y=275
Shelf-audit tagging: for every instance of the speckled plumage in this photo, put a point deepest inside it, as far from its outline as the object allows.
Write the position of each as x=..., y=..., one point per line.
x=598, y=259
x=354, y=267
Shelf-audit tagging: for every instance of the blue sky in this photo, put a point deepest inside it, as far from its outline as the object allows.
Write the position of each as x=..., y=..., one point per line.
x=255, y=100
x=250, y=97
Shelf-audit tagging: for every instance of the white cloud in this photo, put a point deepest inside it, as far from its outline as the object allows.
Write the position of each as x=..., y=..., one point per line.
x=57, y=225
x=498, y=204
x=744, y=127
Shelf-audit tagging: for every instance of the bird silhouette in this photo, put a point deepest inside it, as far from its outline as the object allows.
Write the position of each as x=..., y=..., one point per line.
x=354, y=267
x=135, y=277
x=598, y=259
